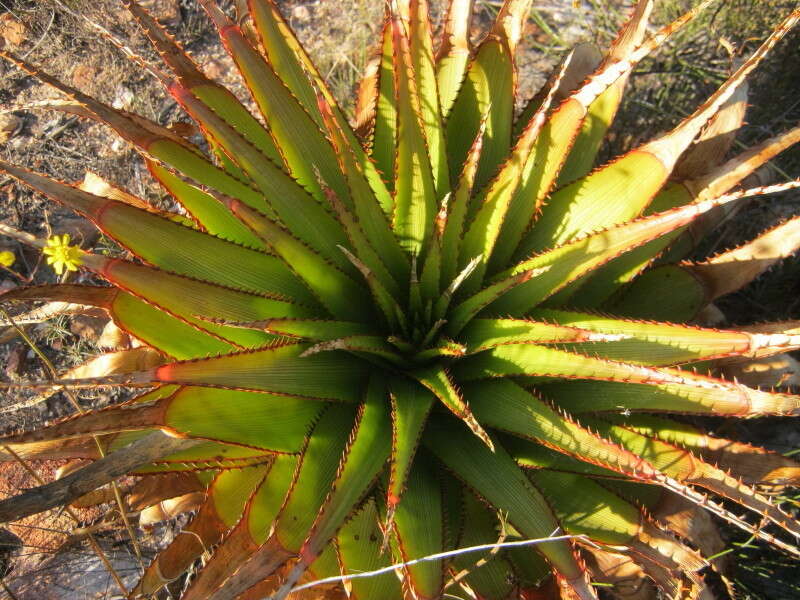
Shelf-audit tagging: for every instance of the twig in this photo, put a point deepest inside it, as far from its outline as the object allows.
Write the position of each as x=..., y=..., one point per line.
x=21, y=236
x=78, y=483
x=41, y=39
x=54, y=375
x=101, y=451
x=22, y=278
x=478, y=563
x=7, y=590
x=95, y=546
x=9, y=408
x=58, y=130
x=125, y=49
x=438, y=556
x=11, y=12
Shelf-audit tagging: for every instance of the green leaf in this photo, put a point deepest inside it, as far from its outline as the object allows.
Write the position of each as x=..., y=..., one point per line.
x=280, y=370
x=293, y=65
x=387, y=303
x=685, y=299
x=365, y=455
x=300, y=213
x=360, y=550
x=493, y=203
x=221, y=100
x=164, y=332
x=648, y=343
x=443, y=348
x=269, y=496
x=275, y=423
x=532, y=455
x=207, y=210
x=286, y=55
x=430, y=278
x=753, y=464
x=684, y=467
x=601, y=112
x=223, y=507
x=418, y=537
x=593, y=290
x=189, y=162
x=489, y=82
x=178, y=338
x=586, y=508
x=466, y=310
x=438, y=381
x=326, y=564
x=384, y=141
x=365, y=252
x=574, y=259
x=730, y=270
x=607, y=518
x=635, y=178
x=453, y=54
x=342, y=296
x=452, y=510
x=592, y=133
x=370, y=210
x=624, y=383
x=174, y=247
x=695, y=395
x=504, y=405
x=315, y=476
x=458, y=206
x=494, y=579
x=304, y=148
x=553, y=145
x=563, y=218
x=415, y=195
x=231, y=490
x=632, y=181
x=482, y=334
x=223, y=103
x=411, y=404
x=239, y=544
x=495, y=477
x=415, y=13
x=188, y=298
x=317, y=330
x=263, y=422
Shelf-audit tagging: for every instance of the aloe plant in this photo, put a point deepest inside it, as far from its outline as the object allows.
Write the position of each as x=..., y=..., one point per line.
x=429, y=328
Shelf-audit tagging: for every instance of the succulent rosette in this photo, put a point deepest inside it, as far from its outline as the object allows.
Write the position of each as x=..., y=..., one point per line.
x=431, y=326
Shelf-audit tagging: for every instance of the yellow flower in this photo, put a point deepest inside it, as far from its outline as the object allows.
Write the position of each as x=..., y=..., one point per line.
x=7, y=258
x=61, y=255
